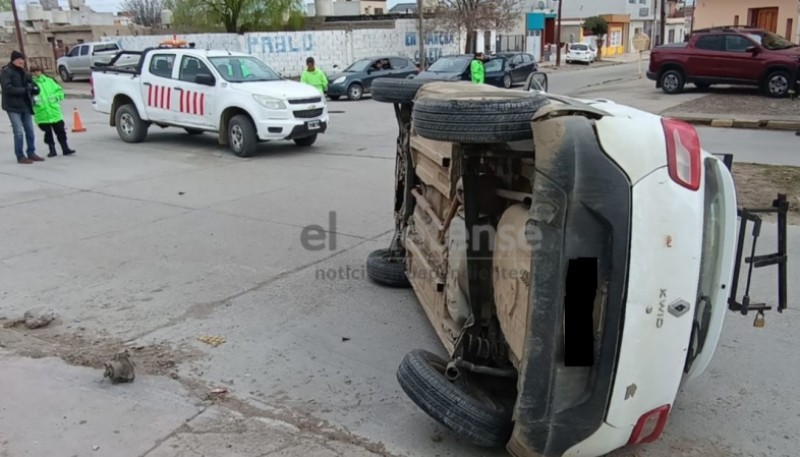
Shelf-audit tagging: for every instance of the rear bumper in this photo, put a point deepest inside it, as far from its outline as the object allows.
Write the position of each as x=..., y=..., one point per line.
x=590, y=200
x=579, y=57
x=651, y=75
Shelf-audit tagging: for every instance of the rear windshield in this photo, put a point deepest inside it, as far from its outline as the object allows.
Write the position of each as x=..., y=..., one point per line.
x=580, y=47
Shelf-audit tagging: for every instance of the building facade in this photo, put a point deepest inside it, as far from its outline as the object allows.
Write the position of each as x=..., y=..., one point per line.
x=777, y=16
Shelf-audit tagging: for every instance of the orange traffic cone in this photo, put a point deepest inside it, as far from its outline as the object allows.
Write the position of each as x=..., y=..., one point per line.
x=77, y=124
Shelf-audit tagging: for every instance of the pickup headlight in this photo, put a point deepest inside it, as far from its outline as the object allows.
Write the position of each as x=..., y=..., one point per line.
x=339, y=80
x=269, y=102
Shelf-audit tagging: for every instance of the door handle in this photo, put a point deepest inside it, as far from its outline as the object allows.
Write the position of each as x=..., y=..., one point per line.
x=178, y=88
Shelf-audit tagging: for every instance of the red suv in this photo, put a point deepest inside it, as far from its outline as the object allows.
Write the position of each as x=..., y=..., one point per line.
x=727, y=55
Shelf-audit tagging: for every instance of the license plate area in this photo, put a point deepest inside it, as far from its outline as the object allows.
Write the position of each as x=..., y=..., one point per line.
x=313, y=125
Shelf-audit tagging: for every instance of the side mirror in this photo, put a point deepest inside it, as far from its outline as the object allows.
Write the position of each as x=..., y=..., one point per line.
x=537, y=82
x=752, y=50
x=205, y=79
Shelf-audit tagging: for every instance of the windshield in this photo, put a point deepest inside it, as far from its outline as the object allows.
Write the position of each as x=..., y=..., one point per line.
x=358, y=65
x=450, y=64
x=244, y=69
x=771, y=41
x=579, y=47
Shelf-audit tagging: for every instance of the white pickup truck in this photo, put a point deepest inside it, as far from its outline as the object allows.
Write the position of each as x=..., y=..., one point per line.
x=233, y=94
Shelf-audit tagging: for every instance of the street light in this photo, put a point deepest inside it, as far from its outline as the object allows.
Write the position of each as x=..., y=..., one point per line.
x=558, y=35
x=19, y=30
x=421, y=35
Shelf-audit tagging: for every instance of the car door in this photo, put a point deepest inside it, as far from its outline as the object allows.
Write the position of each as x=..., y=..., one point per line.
x=738, y=62
x=515, y=66
x=528, y=67
x=705, y=62
x=157, y=87
x=84, y=60
x=372, y=72
x=195, y=92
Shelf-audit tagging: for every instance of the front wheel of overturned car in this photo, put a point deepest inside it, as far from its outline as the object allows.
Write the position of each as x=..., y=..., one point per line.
x=395, y=90
x=306, y=141
x=477, y=121
x=463, y=406
x=387, y=270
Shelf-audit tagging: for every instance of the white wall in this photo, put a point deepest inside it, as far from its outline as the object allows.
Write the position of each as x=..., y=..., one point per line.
x=286, y=52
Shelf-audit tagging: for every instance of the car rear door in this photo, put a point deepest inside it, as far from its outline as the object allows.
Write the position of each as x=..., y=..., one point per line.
x=517, y=68
x=195, y=100
x=83, y=61
x=157, y=86
x=706, y=60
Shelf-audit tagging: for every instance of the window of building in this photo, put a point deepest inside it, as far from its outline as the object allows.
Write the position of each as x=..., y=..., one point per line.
x=671, y=36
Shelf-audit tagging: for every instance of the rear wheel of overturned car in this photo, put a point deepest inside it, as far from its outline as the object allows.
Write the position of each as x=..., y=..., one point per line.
x=355, y=92
x=477, y=121
x=306, y=141
x=395, y=90
x=242, y=136
x=462, y=405
x=777, y=84
x=672, y=82
x=130, y=127
x=387, y=270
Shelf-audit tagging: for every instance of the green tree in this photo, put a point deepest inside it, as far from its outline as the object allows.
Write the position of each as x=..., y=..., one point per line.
x=598, y=27
x=5, y=5
x=473, y=15
x=236, y=16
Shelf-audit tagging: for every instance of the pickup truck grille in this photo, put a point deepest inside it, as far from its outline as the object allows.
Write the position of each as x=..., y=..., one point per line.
x=308, y=113
x=305, y=101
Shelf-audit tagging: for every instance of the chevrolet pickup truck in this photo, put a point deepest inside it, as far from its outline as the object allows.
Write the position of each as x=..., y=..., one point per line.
x=727, y=55
x=234, y=95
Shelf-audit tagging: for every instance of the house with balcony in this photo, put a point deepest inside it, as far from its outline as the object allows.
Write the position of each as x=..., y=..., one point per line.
x=625, y=19
x=777, y=16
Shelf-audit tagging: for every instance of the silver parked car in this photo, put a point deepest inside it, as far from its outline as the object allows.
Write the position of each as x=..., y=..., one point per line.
x=82, y=57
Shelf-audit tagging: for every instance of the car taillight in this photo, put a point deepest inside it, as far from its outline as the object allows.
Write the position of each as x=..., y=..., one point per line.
x=650, y=426
x=683, y=153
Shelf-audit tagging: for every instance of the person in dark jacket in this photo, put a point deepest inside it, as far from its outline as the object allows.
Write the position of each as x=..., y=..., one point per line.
x=18, y=93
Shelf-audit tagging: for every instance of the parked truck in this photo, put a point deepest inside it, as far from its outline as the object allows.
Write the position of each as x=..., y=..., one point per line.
x=234, y=95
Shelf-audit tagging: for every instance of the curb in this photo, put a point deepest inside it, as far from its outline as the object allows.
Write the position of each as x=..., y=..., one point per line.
x=605, y=63
x=765, y=124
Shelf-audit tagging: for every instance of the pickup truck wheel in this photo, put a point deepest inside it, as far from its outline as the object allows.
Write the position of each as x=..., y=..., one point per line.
x=130, y=127
x=355, y=92
x=242, y=136
x=475, y=121
x=672, y=82
x=395, y=90
x=64, y=74
x=778, y=84
x=386, y=270
x=306, y=141
x=463, y=406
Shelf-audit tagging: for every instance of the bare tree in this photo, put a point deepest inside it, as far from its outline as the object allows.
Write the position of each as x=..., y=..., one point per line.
x=145, y=12
x=472, y=15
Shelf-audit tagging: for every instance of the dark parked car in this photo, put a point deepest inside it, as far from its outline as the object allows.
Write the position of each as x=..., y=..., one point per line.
x=502, y=70
x=726, y=55
x=356, y=80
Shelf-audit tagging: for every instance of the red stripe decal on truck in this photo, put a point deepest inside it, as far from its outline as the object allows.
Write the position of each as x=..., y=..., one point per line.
x=169, y=97
x=194, y=108
x=202, y=103
x=150, y=96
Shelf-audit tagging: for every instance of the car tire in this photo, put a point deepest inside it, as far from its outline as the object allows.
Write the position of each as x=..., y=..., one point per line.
x=507, y=82
x=460, y=406
x=476, y=121
x=387, y=271
x=777, y=84
x=306, y=141
x=355, y=92
x=242, y=136
x=65, y=75
x=395, y=90
x=130, y=126
x=672, y=82
x=194, y=131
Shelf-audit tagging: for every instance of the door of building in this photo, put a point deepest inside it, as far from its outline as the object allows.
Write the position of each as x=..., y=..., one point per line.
x=534, y=44
x=765, y=18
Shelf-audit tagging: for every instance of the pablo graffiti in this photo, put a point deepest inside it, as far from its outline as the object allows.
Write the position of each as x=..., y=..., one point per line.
x=273, y=44
x=434, y=44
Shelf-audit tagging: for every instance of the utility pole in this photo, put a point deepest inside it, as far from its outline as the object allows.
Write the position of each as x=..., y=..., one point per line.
x=663, y=25
x=558, y=35
x=421, y=38
x=19, y=30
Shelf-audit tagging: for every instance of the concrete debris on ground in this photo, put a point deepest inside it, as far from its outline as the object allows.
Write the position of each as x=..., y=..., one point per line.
x=34, y=318
x=121, y=368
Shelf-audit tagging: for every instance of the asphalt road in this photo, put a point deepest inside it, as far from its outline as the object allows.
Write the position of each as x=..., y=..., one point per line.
x=758, y=146
x=569, y=82
x=175, y=238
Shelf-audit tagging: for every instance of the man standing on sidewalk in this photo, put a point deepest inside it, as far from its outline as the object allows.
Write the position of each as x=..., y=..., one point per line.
x=18, y=90
x=477, y=70
x=313, y=76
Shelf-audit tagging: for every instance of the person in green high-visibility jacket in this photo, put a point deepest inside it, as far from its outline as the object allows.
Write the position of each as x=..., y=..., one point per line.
x=313, y=76
x=47, y=111
x=477, y=70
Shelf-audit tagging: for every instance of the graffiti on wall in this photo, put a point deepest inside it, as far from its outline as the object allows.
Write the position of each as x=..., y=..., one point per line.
x=435, y=44
x=278, y=44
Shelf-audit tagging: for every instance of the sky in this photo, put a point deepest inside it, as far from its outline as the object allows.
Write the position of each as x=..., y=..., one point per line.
x=112, y=6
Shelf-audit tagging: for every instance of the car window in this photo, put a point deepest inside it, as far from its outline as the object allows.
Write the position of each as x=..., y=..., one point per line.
x=579, y=47
x=399, y=63
x=450, y=64
x=74, y=51
x=161, y=65
x=84, y=50
x=191, y=67
x=105, y=47
x=517, y=59
x=736, y=43
x=709, y=43
x=494, y=65
x=527, y=58
x=771, y=41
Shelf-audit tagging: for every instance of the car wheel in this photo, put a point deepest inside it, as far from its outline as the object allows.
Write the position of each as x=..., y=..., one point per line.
x=469, y=120
x=194, y=131
x=130, y=127
x=778, y=84
x=386, y=270
x=306, y=141
x=395, y=90
x=507, y=81
x=462, y=406
x=672, y=82
x=242, y=136
x=64, y=74
x=355, y=92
